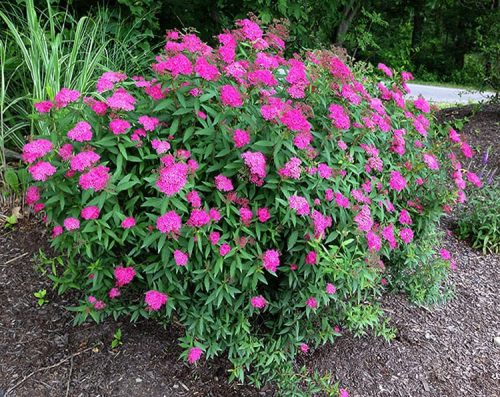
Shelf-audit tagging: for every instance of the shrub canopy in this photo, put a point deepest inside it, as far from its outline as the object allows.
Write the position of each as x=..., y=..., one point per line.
x=261, y=202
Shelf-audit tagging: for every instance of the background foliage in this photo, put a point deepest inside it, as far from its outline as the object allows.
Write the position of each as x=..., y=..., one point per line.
x=445, y=40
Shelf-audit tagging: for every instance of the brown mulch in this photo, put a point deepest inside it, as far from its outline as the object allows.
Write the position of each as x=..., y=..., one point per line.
x=445, y=351
x=482, y=131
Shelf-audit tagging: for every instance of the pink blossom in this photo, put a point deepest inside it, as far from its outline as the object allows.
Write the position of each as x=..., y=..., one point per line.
x=324, y=171
x=259, y=302
x=339, y=117
x=194, y=355
x=295, y=121
x=181, y=258
x=311, y=258
x=263, y=214
x=224, y=249
x=230, y=96
x=397, y=181
x=431, y=161
x=98, y=107
x=250, y=29
x=342, y=145
x=32, y=195
x=38, y=207
x=264, y=77
x=198, y=218
x=474, y=179
x=114, y=293
x=214, y=214
x=291, y=168
x=121, y=100
x=194, y=199
x=341, y=200
x=388, y=234
x=66, y=151
x=149, y=123
x=96, y=178
x=91, y=212
x=128, y=223
x=108, y=80
x=176, y=65
x=241, y=138
x=271, y=260
x=119, y=126
x=299, y=204
x=445, y=254
x=81, y=132
x=312, y=302
x=36, y=149
x=155, y=300
x=321, y=222
x=99, y=305
x=84, y=160
x=43, y=106
x=205, y=70
x=405, y=218
x=170, y=222
x=160, y=146
x=364, y=219
x=256, y=162
x=123, y=275
x=66, y=96
x=339, y=69
x=422, y=105
x=172, y=178
x=384, y=69
x=41, y=171
x=57, y=231
x=223, y=183
x=329, y=195
x=71, y=224
x=304, y=348
x=466, y=150
x=214, y=238
x=454, y=136
x=406, y=235
x=330, y=289
x=246, y=216
x=374, y=242
x=343, y=393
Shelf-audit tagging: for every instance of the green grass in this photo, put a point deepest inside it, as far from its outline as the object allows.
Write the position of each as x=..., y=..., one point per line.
x=44, y=50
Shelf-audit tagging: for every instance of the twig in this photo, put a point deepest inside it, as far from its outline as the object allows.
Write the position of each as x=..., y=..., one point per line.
x=69, y=377
x=45, y=368
x=16, y=258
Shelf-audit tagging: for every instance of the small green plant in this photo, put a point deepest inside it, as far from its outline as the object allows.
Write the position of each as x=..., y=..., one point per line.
x=480, y=220
x=117, y=339
x=423, y=274
x=10, y=221
x=40, y=295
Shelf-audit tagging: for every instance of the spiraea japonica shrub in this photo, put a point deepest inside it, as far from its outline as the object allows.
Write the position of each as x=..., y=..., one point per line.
x=262, y=202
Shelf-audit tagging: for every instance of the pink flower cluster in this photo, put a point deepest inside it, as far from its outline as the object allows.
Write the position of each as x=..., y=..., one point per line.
x=155, y=300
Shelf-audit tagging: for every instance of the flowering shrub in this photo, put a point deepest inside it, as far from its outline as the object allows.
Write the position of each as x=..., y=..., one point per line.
x=262, y=202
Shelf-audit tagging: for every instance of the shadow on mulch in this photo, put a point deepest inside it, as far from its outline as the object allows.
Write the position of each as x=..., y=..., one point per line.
x=447, y=351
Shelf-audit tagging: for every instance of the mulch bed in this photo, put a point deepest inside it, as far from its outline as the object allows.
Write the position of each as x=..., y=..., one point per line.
x=445, y=351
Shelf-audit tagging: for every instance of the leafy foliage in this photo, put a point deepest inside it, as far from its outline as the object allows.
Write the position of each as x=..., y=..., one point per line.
x=263, y=202
x=480, y=221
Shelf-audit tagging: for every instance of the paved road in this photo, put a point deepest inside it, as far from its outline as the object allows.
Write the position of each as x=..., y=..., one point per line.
x=448, y=95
